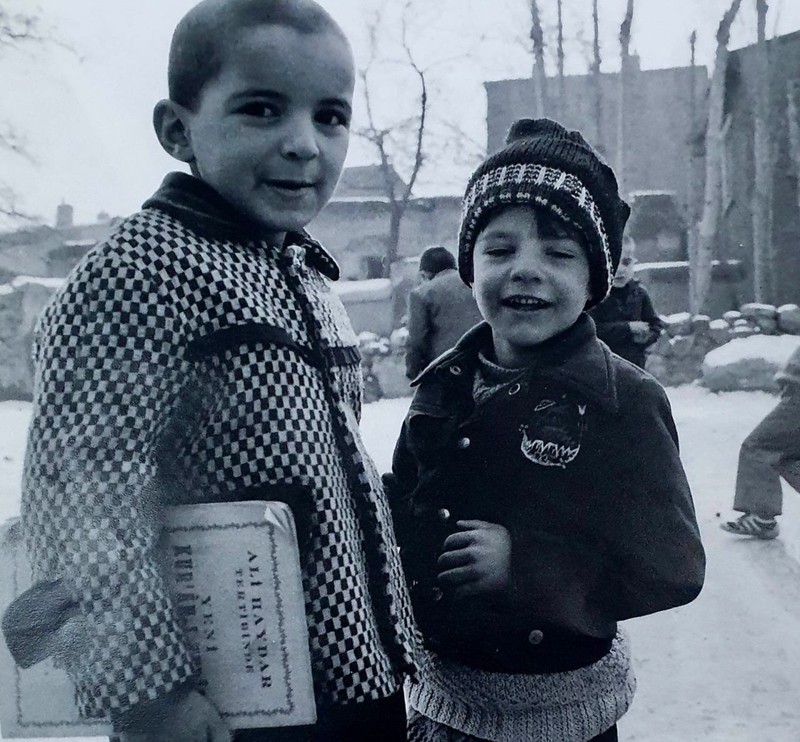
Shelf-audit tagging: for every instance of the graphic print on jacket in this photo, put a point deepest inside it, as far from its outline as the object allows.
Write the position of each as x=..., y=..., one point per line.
x=554, y=435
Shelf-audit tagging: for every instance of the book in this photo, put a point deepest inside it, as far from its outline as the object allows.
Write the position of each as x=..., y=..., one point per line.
x=233, y=570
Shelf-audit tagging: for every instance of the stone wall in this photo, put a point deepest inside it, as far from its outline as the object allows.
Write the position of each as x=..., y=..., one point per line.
x=21, y=302
x=677, y=357
x=368, y=303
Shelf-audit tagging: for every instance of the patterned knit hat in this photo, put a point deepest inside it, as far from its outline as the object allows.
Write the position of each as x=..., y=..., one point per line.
x=547, y=166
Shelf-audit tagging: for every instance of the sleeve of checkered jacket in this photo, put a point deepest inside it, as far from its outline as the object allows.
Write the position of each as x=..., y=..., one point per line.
x=108, y=369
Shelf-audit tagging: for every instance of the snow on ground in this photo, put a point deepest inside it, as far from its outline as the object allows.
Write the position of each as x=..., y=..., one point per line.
x=14, y=418
x=728, y=703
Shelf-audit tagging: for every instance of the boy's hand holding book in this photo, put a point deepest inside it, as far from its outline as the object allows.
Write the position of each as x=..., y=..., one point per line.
x=477, y=559
x=181, y=716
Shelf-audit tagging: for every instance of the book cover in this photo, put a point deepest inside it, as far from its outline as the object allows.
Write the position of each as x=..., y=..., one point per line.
x=234, y=575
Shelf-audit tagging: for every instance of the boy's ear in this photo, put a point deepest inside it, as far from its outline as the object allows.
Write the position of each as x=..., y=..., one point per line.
x=171, y=122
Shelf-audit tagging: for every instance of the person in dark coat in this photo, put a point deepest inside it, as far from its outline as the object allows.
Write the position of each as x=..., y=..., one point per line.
x=626, y=320
x=440, y=310
x=536, y=487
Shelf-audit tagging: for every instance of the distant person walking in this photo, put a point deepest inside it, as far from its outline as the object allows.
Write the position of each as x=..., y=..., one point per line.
x=771, y=451
x=626, y=320
x=440, y=310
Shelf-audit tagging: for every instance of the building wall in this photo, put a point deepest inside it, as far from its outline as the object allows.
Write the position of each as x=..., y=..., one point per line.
x=668, y=286
x=736, y=232
x=354, y=231
x=657, y=127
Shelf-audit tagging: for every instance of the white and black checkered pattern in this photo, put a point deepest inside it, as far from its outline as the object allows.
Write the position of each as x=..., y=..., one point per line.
x=172, y=368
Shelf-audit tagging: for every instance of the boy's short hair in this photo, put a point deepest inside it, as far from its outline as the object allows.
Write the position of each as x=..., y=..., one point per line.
x=201, y=37
x=436, y=259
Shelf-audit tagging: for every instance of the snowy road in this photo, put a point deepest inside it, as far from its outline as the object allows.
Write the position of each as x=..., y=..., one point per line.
x=725, y=668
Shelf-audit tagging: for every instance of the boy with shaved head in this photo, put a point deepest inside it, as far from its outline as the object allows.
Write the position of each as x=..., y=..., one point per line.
x=199, y=355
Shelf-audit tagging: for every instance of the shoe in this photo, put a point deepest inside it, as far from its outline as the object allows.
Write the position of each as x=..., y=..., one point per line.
x=750, y=524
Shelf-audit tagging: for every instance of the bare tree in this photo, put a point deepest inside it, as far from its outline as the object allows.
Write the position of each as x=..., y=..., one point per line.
x=19, y=32
x=700, y=270
x=560, y=58
x=598, y=91
x=696, y=145
x=386, y=139
x=793, y=115
x=763, y=279
x=625, y=73
x=539, y=75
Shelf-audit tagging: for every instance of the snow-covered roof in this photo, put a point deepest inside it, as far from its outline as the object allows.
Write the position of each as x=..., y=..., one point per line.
x=662, y=264
x=371, y=289
x=19, y=281
x=80, y=243
x=49, y=281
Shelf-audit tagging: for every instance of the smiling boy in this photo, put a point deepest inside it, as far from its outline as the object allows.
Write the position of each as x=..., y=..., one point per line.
x=200, y=355
x=537, y=488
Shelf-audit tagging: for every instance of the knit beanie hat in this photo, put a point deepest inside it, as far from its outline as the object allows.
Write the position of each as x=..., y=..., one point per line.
x=547, y=166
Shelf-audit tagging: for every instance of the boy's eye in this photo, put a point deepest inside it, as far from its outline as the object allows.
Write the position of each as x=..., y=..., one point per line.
x=333, y=117
x=259, y=109
x=561, y=254
x=497, y=248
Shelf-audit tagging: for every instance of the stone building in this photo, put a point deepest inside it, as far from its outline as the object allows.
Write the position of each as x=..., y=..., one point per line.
x=51, y=251
x=354, y=225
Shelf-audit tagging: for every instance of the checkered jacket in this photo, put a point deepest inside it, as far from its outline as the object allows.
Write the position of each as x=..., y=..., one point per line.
x=180, y=365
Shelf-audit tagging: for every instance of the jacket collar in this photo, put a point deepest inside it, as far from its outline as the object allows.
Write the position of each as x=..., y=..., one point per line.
x=574, y=358
x=200, y=207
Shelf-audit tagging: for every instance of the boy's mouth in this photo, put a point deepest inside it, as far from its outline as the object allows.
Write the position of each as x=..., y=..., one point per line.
x=525, y=303
x=291, y=185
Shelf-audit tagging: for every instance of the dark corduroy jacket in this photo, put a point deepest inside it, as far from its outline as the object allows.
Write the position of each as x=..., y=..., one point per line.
x=578, y=459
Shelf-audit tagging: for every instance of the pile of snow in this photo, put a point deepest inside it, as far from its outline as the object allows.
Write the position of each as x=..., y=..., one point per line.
x=748, y=363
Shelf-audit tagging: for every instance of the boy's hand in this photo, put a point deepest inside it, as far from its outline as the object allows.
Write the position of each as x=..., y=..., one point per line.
x=640, y=331
x=187, y=717
x=476, y=559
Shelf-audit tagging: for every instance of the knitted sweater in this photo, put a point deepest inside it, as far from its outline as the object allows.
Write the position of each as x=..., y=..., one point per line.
x=572, y=706
x=187, y=361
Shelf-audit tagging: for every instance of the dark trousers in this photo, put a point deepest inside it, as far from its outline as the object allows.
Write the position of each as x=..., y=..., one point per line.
x=370, y=721
x=610, y=735
x=771, y=451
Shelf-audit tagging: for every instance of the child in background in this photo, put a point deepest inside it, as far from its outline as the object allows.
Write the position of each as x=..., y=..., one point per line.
x=537, y=490
x=200, y=355
x=626, y=320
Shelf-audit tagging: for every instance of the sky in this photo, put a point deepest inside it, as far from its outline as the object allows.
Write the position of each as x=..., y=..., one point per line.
x=84, y=115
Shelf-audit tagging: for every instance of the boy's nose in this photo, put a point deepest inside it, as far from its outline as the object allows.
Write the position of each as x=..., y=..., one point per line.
x=527, y=265
x=300, y=141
